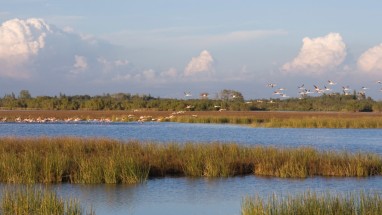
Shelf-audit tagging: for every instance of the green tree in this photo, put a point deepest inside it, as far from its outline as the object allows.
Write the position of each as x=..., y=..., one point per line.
x=227, y=95
x=24, y=94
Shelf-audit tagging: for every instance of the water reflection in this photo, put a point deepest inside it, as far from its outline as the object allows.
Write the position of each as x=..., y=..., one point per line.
x=201, y=195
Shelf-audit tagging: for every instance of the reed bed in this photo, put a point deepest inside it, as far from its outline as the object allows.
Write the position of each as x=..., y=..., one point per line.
x=323, y=122
x=26, y=201
x=314, y=204
x=292, y=122
x=77, y=160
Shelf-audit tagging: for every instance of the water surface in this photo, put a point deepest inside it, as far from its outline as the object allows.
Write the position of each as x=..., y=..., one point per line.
x=201, y=195
x=327, y=139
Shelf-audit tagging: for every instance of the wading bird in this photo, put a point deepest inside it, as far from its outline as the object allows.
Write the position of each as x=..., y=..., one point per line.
x=331, y=82
x=301, y=87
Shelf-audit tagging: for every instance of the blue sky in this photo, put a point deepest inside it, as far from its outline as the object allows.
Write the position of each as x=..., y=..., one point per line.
x=167, y=47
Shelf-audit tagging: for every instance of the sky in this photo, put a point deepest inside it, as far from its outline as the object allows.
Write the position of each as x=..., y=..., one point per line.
x=166, y=47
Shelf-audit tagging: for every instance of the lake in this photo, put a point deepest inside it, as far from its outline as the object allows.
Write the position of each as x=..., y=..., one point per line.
x=201, y=195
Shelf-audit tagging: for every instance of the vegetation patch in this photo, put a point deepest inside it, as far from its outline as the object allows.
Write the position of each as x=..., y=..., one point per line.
x=26, y=201
x=249, y=118
x=78, y=160
x=314, y=204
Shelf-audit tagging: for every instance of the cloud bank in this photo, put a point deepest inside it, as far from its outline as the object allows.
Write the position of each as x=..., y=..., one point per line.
x=33, y=50
x=371, y=60
x=202, y=65
x=318, y=55
x=20, y=40
x=37, y=52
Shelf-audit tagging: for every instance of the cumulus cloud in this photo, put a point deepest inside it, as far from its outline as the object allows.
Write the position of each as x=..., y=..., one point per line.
x=20, y=40
x=109, y=66
x=318, y=55
x=170, y=73
x=202, y=64
x=35, y=51
x=22, y=37
x=371, y=60
x=149, y=74
x=80, y=64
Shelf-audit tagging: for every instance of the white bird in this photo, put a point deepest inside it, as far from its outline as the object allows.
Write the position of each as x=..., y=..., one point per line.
x=284, y=96
x=346, y=88
x=317, y=89
x=301, y=87
x=331, y=82
x=364, y=88
x=271, y=85
x=379, y=82
x=327, y=89
x=277, y=93
x=204, y=95
x=188, y=94
x=302, y=93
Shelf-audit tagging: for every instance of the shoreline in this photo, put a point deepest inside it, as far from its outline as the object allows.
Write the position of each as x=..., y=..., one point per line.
x=272, y=119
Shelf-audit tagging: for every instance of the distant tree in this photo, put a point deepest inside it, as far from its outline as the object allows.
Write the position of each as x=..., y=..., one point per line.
x=227, y=95
x=24, y=94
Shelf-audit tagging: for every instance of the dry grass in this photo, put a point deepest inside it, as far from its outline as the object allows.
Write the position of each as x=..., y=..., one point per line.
x=75, y=160
x=26, y=201
x=314, y=204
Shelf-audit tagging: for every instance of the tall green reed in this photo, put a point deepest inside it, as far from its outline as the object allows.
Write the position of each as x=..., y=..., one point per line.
x=314, y=204
x=26, y=201
x=77, y=160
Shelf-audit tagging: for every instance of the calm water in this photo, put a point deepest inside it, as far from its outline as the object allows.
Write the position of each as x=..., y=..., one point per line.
x=328, y=139
x=204, y=196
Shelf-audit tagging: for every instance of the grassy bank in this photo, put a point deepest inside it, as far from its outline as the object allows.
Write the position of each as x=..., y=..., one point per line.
x=314, y=204
x=288, y=122
x=251, y=118
x=74, y=160
x=26, y=201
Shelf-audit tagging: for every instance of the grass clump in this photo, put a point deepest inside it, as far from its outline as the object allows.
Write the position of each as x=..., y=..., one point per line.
x=96, y=161
x=322, y=122
x=26, y=201
x=314, y=204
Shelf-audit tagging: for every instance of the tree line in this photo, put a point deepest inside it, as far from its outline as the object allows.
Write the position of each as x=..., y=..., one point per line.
x=224, y=100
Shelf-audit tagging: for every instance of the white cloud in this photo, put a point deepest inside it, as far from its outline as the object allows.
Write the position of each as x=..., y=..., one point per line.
x=149, y=74
x=318, y=55
x=241, y=36
x=20, y=40
x=170, y=73
x=371, y=60
x=202, y=64
x=80, y=64
x=38, y=52
x=22, y=37
x=110, y=66
x=190, y=36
